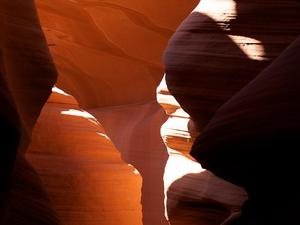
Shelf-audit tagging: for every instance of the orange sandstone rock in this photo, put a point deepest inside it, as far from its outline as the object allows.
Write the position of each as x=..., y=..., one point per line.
x=81, y=168
x=108, y=55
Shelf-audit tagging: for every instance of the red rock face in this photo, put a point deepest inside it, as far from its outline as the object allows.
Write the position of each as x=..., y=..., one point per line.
x=102, y=49
x=101, y=65
x=109, y=58
x=100, y=159
x=80, y=167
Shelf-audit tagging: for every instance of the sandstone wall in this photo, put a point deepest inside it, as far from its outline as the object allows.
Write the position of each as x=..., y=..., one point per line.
x=96, y=155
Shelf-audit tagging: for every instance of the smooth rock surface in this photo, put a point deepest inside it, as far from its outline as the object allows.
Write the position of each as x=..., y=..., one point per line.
x=193, y=194
x=27, y=74
x=80, y=167
x=221, y=46
x=258, y=153
x=109, y=53
x=217, y=50
x=108, y=57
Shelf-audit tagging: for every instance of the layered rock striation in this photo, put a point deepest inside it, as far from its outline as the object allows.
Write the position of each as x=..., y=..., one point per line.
x=80, y=167
x=219, y=48
x=193, y=194
x=108, y=55
x=95, y=155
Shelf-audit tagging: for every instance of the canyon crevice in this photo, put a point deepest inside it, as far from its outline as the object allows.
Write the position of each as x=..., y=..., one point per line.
x=102, y=101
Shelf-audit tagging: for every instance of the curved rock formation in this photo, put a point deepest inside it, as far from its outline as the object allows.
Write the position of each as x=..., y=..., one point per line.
x=193, y=194
x=26, y=54
x=100, y=159
x=216, y=51
x=221, y=46
x=258, y=153
x=90, y=52
x=26, y=76
x=80, y=167
x=108, y=55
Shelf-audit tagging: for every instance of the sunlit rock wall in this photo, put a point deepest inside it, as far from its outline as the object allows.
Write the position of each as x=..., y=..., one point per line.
x=109, y=57
x=110, y=52
x=81, y=168
x=100, y=159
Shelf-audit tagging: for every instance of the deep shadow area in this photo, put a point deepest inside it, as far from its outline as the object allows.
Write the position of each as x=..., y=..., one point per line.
x=206, y=65
x=27, y=74
x=202, y=57
x=210, y=202
x=29, y=201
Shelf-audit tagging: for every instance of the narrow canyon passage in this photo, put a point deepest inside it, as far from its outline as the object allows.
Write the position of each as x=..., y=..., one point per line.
x=132, y=120
x=101, y=103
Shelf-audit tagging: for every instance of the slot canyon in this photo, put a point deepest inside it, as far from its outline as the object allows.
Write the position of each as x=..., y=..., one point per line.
x=147, y=112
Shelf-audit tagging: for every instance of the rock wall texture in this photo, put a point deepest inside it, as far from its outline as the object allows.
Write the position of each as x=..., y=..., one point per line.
x=28, y=71
x=81, y=168
x=193, y=194
x=216, y=51
x=108, y=55
x=104, y=48
x=27, y=75
x=221, y=46
x=256, y=152
x=96, y=155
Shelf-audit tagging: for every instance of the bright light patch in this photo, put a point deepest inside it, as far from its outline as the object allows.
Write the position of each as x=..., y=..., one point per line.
x=134, y=170
x=177, y=167
x=79, y=113
x=59, y=91
x=177, y=160
x=225, y=11
x=251, y=47
x=103, y=135
x=216, y=8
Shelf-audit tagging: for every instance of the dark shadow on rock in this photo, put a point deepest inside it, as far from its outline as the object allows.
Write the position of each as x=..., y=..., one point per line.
x=27, y=75
x=30, y=203
x=205, y=67
x=202, y=199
